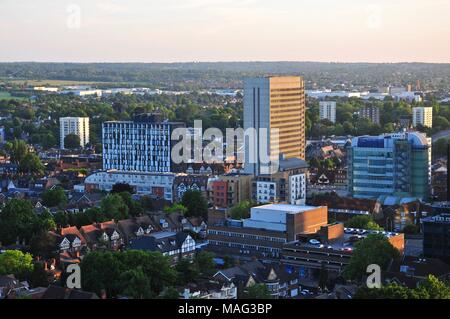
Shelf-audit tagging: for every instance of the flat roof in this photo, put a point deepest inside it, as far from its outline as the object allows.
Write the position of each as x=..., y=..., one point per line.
x=292, y=209
x=347, y=242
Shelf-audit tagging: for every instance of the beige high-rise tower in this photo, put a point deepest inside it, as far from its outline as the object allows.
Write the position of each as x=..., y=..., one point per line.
x=275, y=102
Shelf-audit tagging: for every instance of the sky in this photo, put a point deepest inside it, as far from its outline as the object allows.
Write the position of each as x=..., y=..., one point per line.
x=225, y=30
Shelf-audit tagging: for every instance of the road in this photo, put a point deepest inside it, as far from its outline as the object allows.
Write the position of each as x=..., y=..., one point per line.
x=442, y=134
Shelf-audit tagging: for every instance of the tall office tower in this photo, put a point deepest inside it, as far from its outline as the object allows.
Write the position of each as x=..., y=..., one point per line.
x=423, y=116
x=396, y=164
x=74, y=125
x=274, y=103
x=327, y=111
x=142, y=145
x=370, y=112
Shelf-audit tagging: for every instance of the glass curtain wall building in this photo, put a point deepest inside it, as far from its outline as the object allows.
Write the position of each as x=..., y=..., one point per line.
x=390, y=165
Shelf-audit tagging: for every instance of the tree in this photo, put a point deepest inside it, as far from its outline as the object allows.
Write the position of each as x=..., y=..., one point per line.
x=195, y=203
x=44, y=245
x=119, y=273
x=54, y=197
x=114, y=207
x=17, y=150
x=314, y=162
x=205, y=263
x=31, y=164
x=363, y=222
x=134, y=207
x=374, y=249
x=72, y=141
x=175, y=208
x=122, y=187
x=100, y=272
x=39, y=277
x=17, y=221
x=188, y=271
x=17, y=263
x=134, y=283
x=61, y=219
x=171, y=293
x=431, y=288
x=257, y=291
x=440, y=147
x=242, y=210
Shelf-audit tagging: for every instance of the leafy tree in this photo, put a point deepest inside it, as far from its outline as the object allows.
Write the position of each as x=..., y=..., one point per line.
x=39, y=277
x=54, y=197
x=205, y=263
x=195, y=203
x=44, y=245
x=114, y=207
x=119, y=273
x=257, y=291
x=122, y=187
x=96, y=215
x=440, y=147
x=431, y=288
x=242, y=209
x=17, y=221
x=17, y=150
x=61, y=219
x=171, y=293
x=17, y=263
x=374, y=249
x=134, y=283
x=100, y=272
x=175, y=208
x=31, y=164
x=188, y=271
x=363, y=222
x=134, y=207
x=72, y=141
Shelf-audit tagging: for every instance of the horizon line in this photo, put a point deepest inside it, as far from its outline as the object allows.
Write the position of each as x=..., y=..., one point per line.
x=220, y=61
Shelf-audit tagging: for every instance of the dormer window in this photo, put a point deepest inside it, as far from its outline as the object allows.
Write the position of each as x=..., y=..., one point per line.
x=140, y=232
x=65, y=244
x=115, y=236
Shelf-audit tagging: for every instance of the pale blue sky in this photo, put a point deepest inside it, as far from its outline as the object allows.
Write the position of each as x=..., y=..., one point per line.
x=224, y=30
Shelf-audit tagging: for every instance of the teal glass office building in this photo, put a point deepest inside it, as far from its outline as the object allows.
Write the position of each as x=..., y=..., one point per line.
x=396, y=164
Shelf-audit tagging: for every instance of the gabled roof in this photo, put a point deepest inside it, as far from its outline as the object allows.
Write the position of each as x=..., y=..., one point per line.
x=258, y=271
x=56, y=292
x=162, y=242
x=72, y=231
